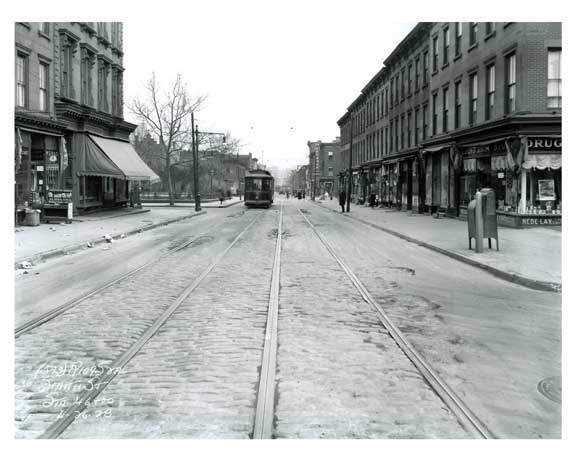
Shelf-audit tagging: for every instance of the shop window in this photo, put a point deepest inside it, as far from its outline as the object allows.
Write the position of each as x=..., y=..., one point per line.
x=543, y=191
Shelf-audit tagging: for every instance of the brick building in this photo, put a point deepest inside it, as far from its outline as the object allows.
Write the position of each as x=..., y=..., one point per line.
x=458, y=107
x=70, y=131
x=322, y=166
x=298, y=179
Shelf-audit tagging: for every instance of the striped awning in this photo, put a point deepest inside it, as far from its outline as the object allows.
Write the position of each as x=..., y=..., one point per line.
x=542, y=161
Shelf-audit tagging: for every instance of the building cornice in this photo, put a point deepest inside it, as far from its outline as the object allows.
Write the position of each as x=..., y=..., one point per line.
x=69, y=33
x=23, y=119
x=78, y=112
x=410, y=42
x=515, y=125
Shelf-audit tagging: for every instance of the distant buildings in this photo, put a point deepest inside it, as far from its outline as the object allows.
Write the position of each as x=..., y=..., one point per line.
x=298, y=179
x=458, y=107
x=322, y=167
x=71, y=136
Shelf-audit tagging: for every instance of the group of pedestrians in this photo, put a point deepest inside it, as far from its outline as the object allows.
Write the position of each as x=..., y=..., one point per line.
x=372, y=202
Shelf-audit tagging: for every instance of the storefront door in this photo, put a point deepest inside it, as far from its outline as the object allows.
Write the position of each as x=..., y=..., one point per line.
x=436, y=180
x=409, y=185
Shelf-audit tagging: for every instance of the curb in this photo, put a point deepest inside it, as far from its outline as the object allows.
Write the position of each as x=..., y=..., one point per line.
x=513, y=278
x=109, y=217
x=34, y=259
x=153, y=205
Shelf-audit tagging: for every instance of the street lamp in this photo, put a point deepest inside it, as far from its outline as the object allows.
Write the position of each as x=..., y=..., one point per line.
x=211, y=177
x=195, y=147
x=238, y=173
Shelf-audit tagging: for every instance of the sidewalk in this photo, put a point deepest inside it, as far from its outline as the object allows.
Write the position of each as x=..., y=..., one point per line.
x=531, y=257
x=34, y=244
x=211, y=204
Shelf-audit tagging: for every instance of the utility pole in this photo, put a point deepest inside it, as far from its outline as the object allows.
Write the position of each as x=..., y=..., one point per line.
x=349, y=195
x=195, y=164
x=238, y=170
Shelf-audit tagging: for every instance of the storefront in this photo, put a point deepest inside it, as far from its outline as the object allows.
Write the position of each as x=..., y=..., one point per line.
x=391, y=193
x=41, y=164
x=525, y=174
x=439, y=178
x=374, y=182
x=406, y=183
x=355, y=186
x=106, y=170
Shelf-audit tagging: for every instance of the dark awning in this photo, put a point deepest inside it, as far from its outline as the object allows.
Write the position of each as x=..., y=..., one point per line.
x=432, y=149
x=92, y=162
x=482, y=143
x=125, y=158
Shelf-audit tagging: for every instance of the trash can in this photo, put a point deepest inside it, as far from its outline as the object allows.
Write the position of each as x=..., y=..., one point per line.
x=32, y=217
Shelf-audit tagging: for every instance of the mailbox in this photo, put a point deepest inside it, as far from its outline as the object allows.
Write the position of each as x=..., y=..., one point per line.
x=489, y=227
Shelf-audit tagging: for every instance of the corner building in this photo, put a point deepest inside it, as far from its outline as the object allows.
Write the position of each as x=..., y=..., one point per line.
x=466, y=106
x=71, y=136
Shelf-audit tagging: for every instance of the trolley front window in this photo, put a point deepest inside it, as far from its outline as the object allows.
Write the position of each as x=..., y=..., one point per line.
x=257, y=184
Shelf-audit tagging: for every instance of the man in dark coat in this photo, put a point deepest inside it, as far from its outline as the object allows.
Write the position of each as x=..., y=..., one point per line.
x=372, y=200
x=342, y=199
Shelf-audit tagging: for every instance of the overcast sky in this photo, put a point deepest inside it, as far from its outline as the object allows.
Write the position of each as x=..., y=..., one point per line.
x=274, y=82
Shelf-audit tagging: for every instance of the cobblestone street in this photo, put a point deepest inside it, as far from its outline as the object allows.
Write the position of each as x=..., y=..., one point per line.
x=339, y=373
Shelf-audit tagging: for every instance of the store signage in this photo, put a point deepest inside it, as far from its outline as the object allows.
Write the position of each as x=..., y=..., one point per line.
x=497, y=147
x=542, y=221
x=539, y=144
x=544, y=144
x=59, y=196
x=515, y=220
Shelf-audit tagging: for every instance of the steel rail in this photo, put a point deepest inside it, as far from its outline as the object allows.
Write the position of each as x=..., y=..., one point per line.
x=264, y=417
x=464, y=414
x=51, y=314
x=102, y=381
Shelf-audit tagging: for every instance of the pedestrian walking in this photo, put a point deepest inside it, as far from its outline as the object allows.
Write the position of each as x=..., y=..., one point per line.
x=221, y=196
x=342, y=199
x=372, y=200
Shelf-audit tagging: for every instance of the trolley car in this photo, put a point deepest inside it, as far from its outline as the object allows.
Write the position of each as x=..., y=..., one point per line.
x=258, y=188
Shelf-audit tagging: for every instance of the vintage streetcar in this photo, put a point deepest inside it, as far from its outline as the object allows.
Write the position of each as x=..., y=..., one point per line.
x=258, y=188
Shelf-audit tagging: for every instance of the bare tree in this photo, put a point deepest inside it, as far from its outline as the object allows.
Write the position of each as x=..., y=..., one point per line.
x=167, y=116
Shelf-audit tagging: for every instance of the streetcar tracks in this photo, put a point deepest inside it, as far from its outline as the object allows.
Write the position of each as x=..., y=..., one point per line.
x=57, y=311
x=264, y=417
x=464, y=414
x=98, y=384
